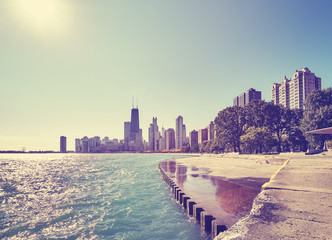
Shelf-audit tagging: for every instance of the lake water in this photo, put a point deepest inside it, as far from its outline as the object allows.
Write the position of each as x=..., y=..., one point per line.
x=89, y=196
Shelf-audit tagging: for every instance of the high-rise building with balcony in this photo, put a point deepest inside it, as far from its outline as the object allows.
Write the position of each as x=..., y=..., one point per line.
x=292, y=93
x=246, y=97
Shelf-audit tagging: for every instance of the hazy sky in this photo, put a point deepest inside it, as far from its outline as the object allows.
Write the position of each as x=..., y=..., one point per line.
x=71, y=67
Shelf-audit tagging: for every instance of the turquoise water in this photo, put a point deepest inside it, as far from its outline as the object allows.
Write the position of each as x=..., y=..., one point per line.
x=86, y=196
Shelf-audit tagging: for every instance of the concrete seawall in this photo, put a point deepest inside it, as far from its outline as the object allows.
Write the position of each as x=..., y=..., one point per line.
x=294, y=204
x=208, y=222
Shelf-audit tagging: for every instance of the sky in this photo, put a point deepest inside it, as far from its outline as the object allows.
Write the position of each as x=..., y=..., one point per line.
x=71, y=67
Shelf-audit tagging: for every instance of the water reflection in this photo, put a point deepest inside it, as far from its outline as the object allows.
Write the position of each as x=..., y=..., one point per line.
x=227, y=199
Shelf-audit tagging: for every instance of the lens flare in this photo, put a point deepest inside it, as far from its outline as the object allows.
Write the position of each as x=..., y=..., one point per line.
x=46, y=18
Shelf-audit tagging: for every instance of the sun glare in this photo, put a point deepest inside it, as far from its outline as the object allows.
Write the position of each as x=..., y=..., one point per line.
x=48, y=18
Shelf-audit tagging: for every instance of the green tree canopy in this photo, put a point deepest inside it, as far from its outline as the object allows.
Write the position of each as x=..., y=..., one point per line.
x=317, y=115
x=257, y=139
x=230, y=125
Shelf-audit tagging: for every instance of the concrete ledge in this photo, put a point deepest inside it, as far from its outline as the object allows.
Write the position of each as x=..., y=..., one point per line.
x=191, y=205
x=217, y=227
x=197, y=213
x=185, y=202
x=181, y=198
x=265, y=185
x=178, y=191
x=207, y=221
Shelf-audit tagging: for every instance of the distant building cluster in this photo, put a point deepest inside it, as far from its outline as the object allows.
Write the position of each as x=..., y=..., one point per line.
x=202, y=135
x=133, y=138
x=292, y=93
x=95, y=144
x=246, y=97
x=167, y=139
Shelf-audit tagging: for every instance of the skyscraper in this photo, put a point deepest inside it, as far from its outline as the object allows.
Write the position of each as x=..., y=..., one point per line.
x=193, y=138
x=170, y=138
x=85, y=144
x=292, y=93
x=211, y=131
x=162, y=140
x=134, y=127
x=246, y=97
x=127, y=128
x=184, y=134
x=154, y=135
x=78, y=145
x=179, y=132
x=135, y=140
x=63, y=144
x=202, y=135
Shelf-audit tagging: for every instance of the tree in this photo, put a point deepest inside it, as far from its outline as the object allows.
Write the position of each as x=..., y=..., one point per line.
x=318, y=114
x=295, y=135
x=277, y=120
x=255, y=115
x=194, y=148
x=230, y=126
x=205, y=146
x=186, y=148
x=217, y=146
x=318, y=99
x=257, y=139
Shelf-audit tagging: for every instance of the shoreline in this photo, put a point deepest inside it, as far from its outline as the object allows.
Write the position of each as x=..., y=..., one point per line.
x=293, y=204
x=237, y=180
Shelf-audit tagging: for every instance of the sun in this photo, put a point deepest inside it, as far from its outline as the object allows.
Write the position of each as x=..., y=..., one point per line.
x=47, y=18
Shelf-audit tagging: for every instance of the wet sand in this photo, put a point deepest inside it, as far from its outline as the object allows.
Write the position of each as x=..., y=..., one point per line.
x=224, y=185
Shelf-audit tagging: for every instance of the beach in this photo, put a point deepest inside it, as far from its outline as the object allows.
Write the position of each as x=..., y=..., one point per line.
x=287, y=195
x=223, y=185
x=295, y=204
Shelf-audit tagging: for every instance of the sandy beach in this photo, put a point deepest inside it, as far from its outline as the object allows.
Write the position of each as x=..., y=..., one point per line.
x=294, y=203
x=224, y=185
x=233, y=165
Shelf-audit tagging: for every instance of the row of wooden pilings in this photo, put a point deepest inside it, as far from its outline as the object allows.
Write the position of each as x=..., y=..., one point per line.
x=209, y=223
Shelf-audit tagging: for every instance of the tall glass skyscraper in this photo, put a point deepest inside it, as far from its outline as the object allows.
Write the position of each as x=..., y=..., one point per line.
x=134, y=127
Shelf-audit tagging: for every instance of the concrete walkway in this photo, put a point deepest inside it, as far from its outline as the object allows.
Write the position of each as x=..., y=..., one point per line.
x=295, y=204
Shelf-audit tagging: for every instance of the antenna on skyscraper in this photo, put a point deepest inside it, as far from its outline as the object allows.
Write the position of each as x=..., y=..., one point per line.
x=136, y=102
x=132, y=103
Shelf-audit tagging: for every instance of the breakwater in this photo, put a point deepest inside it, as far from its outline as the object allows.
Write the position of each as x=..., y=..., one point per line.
x=208, y=222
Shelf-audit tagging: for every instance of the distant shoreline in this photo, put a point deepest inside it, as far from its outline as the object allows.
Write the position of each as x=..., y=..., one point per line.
x=115, y=152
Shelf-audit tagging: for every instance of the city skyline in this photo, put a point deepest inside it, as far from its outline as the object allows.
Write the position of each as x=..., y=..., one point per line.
x=73, y=70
